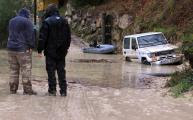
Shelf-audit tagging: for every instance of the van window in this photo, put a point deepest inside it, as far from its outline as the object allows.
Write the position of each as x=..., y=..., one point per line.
x=134, y=44
x=127, y=43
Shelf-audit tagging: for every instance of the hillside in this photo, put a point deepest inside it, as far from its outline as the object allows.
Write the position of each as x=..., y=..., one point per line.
x=173, y=17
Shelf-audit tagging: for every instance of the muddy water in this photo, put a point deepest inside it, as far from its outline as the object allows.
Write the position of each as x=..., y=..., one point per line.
x=110, y=70
x=101, y=87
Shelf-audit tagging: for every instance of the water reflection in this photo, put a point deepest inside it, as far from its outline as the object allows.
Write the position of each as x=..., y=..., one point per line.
x=117, y=75
x=133, y=73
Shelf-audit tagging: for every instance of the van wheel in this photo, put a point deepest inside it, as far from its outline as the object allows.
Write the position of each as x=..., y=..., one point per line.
x=144, y=61
x=128, y=59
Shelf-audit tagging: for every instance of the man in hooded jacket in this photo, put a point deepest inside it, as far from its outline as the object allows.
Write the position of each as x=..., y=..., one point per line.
x=20, y=43
x=54, y=40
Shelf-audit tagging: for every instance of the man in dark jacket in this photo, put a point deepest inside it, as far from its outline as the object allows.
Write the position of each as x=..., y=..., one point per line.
x=54, y=39
x=19, y=45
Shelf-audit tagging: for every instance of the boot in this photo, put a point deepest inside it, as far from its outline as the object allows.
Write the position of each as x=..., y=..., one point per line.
x=30, y=92
x=13, y=88
x=63, y=93
x=52, y=90
x=51, y=93
x=63, y=90
x=27, y=89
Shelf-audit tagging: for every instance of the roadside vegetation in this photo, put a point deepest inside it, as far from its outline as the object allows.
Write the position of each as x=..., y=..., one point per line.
x=181, y=82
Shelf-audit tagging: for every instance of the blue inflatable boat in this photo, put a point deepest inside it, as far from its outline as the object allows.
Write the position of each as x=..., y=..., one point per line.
x=100, y=49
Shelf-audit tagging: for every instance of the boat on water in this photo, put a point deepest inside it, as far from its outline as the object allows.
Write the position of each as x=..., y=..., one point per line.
x=100, y=49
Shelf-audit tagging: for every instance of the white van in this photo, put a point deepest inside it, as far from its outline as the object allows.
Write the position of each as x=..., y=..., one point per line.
x=150, y=48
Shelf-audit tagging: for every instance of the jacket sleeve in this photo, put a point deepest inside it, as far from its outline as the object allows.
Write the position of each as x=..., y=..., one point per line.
x=43, y=36
x=68, y=35
x=30, y=35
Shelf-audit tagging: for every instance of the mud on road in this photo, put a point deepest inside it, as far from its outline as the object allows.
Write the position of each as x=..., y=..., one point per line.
x=101, y=87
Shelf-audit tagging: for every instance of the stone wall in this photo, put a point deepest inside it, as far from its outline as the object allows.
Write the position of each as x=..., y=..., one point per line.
x=88, y=25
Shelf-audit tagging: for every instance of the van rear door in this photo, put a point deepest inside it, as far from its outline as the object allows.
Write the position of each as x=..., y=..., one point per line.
x=134, y=48
x=126, y=47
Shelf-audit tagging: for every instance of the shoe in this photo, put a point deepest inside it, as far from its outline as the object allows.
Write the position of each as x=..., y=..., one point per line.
x=51, y=93
x=30, y=93
x=13, y=88
x=63, y=94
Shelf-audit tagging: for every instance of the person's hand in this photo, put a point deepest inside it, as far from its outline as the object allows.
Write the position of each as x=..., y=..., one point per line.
x=40, y=55
x=29, y=51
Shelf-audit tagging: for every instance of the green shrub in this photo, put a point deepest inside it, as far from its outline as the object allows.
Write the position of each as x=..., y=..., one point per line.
x=182, y=87
x=169, y=32
x=187, y=43
x=181, y=82
x=187, y=47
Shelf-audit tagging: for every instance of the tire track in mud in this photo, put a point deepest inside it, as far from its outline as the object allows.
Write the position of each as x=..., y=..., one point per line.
x=54, y=107
x=89, y=105
x=79, y=108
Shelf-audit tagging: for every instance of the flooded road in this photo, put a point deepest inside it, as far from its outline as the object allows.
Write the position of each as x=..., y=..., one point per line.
x=110, y=70
x=101, y=87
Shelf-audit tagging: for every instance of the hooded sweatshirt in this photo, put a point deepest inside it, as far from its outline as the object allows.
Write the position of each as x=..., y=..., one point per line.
x=21, y=32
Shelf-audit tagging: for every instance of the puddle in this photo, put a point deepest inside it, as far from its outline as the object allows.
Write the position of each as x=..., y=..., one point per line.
x=117, y=75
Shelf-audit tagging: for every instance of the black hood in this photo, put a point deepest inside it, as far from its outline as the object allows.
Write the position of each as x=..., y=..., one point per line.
x=51, y=10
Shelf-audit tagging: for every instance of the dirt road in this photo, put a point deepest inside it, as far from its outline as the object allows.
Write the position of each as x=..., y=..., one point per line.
x=100, y=88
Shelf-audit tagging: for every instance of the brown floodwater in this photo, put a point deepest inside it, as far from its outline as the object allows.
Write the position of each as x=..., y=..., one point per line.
x=101, y=87
x=110, y=70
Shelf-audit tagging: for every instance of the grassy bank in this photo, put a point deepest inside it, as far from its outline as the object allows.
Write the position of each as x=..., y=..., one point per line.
x=181, y=82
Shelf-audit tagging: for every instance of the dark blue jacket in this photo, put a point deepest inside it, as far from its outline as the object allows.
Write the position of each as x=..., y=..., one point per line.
x=21, y=32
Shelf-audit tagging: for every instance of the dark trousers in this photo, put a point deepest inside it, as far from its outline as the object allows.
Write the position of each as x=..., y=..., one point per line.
x=53, y=65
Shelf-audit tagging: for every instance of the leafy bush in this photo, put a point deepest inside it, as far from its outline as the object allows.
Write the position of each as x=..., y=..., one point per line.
x=81, y=3
x=181, y=82
x=187, y=47
x=187, y=43
x=168, y=31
